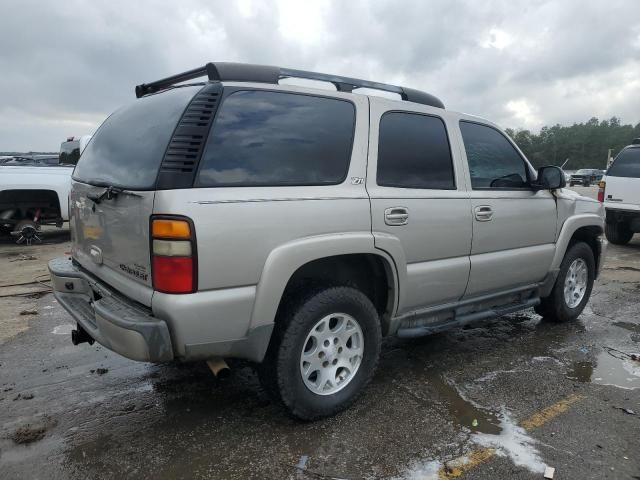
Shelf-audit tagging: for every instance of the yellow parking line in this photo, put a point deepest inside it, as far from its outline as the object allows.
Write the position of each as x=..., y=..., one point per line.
x=457, y=467
x=538, y=419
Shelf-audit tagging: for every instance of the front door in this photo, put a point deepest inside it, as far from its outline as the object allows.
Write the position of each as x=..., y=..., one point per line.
x=420, y=211
x=514, y=226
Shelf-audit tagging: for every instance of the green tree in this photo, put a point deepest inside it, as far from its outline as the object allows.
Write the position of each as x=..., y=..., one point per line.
x=584, y=144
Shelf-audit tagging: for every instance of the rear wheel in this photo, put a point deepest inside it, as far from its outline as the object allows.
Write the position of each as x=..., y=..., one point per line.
x=573, y=286
x=323, y=353
x=618, y=233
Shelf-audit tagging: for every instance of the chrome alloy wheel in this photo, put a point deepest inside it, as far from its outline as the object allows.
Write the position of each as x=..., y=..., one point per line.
x=575, y=283
x=332, y=354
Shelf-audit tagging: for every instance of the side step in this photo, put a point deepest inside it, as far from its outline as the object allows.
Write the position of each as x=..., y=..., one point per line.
x=460, y=320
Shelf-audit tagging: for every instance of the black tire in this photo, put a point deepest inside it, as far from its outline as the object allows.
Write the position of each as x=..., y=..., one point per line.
x=280, y=371
x=554, y=307
x=618, y=233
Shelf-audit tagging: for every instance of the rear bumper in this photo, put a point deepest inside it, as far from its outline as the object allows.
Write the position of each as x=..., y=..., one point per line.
x=112, y=320
x=621, y=209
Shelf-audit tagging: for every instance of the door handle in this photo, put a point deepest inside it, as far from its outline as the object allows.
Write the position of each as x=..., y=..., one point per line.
x=483, y=213
x=396, y=216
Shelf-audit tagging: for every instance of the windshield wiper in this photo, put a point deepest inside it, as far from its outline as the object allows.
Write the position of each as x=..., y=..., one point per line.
x=109, y=193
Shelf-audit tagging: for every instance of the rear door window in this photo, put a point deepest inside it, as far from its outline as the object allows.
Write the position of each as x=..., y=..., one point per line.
x=262, y=138
x=626, y=164
x=413, y=152
x=128, y=148
x=493, y=162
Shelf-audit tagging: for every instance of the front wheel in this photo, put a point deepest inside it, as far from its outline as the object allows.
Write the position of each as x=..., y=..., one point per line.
x=324, y=352
x=573, y=286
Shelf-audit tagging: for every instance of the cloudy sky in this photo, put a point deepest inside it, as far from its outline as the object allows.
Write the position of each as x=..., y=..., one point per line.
x=65, y=65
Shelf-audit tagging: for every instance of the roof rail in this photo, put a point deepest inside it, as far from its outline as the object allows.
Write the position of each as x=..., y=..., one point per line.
x=636, y=141
x=245, y=72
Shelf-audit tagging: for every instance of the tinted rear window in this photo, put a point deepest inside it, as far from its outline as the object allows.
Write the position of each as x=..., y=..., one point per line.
x=128, y=148
x=413, y=152
x=272, y=138
x=626, y=164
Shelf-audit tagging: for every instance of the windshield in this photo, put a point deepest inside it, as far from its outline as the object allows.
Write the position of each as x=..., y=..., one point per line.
x=128, y=148
x=626, y=164
x=582, y=172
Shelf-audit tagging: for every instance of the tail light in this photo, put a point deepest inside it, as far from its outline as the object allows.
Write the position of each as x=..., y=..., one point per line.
x=601, y=186
x=173, y=255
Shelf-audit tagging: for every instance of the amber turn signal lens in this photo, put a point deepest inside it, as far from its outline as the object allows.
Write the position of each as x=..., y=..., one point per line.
x=165, y=228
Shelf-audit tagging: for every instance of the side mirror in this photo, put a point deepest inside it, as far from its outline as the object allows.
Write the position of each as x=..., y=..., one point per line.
x=550, y=178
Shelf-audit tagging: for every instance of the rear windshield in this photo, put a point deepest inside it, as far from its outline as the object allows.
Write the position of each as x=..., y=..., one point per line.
x=626, y=164
x=127, y=149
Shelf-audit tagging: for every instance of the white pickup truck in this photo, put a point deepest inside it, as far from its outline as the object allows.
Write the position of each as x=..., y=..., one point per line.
x=32, y=196
x=620, y=192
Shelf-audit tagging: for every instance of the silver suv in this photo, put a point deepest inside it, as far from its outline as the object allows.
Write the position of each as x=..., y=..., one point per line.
x=295, y=227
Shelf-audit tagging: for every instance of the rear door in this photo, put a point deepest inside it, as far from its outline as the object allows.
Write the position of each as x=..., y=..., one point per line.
x=514, y=226
x=622, y=190
x=420, y=209
x=113, y=191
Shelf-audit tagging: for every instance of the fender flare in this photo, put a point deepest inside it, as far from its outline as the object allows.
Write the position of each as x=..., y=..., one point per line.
x=570, y=226
x=286, y=259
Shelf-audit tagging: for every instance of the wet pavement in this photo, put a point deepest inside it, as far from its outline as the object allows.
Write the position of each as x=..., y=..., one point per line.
x=501, y=399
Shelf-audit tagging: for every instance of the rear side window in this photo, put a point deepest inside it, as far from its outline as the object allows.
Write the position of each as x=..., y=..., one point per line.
x=493, y=162
x=262, y=138
x=626, y=164
x=413, y=152
x=128, y=148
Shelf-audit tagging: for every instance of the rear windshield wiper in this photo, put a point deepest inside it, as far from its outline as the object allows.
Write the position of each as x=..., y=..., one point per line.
x=109, y=193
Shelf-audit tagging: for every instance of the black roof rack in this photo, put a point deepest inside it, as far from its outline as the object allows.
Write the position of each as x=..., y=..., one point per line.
x=636, y=141
x=245, y=72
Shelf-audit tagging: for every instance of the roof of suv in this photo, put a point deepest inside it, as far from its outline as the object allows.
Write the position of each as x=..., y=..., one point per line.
x=244, y=72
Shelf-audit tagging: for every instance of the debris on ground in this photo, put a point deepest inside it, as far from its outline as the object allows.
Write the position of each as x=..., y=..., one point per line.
x=29, y=312
x=33, y=430
x=101, y=371
x=549, y=472
x=23, y=396
x=29, y=434
x=24, y=257
x=626, y=410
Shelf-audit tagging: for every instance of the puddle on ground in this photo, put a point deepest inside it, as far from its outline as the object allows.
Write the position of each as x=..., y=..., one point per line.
x=608, y=369
x=486, y=428
x=466, y=413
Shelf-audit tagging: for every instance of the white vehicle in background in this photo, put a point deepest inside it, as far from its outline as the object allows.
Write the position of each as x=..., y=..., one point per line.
x=34, y=191
x=32, y=196
x=620, y=192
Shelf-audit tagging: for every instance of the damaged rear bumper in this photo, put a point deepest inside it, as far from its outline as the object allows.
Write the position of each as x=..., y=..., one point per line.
x=112, y=320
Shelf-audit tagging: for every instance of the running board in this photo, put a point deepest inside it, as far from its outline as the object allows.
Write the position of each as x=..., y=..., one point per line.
x=460, y=320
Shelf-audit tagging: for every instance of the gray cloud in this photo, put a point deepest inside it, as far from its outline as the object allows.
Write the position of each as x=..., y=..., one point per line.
x=66, y=65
